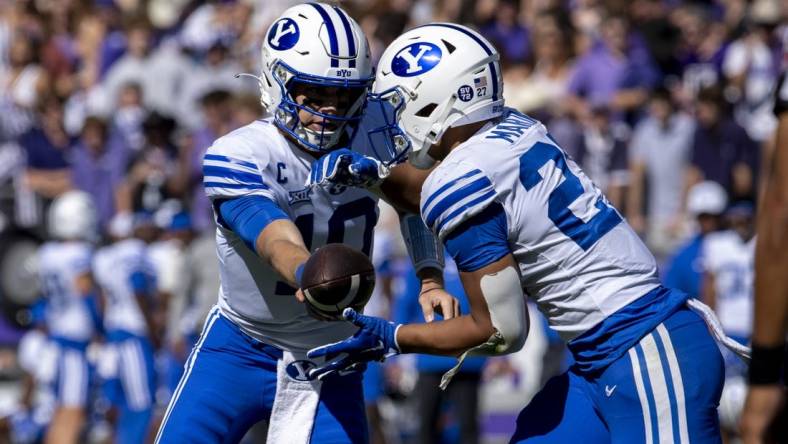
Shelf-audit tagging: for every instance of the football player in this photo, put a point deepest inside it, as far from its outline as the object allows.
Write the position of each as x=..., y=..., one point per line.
x=727, y=257
x=520, y=217
x=127, y=279
x=248, y=364
x=67, y=285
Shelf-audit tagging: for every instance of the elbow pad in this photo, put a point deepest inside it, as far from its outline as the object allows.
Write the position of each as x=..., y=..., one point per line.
x=505, y=300
x=424, y=249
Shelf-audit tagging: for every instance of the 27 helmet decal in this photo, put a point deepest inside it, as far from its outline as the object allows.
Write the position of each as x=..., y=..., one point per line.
x=416, y=59
x=283, y=34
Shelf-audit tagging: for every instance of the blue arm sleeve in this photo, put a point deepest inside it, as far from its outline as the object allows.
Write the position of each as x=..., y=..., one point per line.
x=38, y=313
x=141, y=282
x=95, y=315
x=247, y=216
x=480, y=240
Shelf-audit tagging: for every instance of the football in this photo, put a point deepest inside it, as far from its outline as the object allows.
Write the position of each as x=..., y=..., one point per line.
x=335, y=277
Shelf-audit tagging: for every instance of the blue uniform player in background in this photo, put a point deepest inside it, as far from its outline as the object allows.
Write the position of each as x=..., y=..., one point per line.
x=127, y=279
x=70, y=316
x=520, y=218
x=246, y=366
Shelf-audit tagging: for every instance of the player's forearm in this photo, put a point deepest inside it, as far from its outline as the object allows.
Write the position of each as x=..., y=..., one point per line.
x=285, y=258
x=451, y=337
x=771, y=250
x=402, y=189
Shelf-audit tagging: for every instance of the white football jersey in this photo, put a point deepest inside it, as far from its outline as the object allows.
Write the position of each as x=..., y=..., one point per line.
x=257, y=160
x=578, y=258
x=731, y=260
x=113, y=268
x=59, y=266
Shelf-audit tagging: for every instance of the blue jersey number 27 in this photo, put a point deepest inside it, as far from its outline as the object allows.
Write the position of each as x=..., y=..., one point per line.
x=585, y=234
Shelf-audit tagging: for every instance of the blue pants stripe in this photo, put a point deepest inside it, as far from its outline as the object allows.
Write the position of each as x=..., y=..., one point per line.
x=674, y=408
x=647, y=383
x=212, y=317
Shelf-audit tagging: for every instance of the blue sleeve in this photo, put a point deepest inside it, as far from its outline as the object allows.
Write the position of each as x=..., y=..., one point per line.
x=480, y=240
x=95, y=314
x=141, y=282
x=247, y=216
x=38, y=312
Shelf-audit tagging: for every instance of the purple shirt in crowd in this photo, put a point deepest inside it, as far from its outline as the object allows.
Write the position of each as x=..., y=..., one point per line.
x=716, y=150
x=41, y=153
x=599, y=74
x=100, y=174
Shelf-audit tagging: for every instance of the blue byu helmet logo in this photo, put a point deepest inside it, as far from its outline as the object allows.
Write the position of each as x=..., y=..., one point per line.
x=415, y=59
x=283, y=35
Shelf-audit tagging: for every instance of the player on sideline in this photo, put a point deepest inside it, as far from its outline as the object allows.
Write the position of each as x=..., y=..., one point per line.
x=519, y=217
x=127, y=278
x=70, y=317
x=315, y=78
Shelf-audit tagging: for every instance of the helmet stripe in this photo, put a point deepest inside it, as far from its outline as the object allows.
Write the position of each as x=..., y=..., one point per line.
x=351, y=44
x=481, y=43
x=332, y=34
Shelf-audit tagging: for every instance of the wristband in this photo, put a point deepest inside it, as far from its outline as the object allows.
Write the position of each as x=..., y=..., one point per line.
x=767, y=365
x=424, y=249
x=299, y=273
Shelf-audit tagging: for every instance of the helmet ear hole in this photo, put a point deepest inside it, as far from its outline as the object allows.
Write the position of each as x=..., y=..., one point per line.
x=449, y=46
x=427, y=110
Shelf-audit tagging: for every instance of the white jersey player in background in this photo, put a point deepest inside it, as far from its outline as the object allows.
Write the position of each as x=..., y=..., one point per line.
x=127, y=279
x=728, y=259
x=246, y=367
x=520, y=217
x=69, y=315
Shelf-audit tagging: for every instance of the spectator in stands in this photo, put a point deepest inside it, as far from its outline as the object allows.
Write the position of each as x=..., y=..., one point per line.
x=129, y=116
x=48, y=171
x=721, y=149
x=700, y=50
x=706, y=202
x=22, y=81
x=603, y=154
x=659, y=153
x=545, y=87
x=507, y=34
x=133, y=67
x=616, y=71
x=151, y=177
x=751, y=68
x=216, y=71
x=99, y=164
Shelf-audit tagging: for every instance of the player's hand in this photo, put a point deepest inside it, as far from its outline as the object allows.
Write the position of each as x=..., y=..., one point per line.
x=375, y=340
x=347, y=167
x=760, y=410
x=437, y=300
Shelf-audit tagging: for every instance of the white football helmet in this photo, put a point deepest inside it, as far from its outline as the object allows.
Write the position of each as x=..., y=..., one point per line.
x=321, y=46
x=73, y=216
x=430, y=79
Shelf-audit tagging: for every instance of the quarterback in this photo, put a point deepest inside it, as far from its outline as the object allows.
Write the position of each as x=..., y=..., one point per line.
x=520, y=218
x=245, y=367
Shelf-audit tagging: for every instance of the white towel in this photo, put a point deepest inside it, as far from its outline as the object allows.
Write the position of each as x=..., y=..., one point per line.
x=295, y=404
x=715, y=328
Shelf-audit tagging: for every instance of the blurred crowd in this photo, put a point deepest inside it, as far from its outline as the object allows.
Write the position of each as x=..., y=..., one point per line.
x=665, y=104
